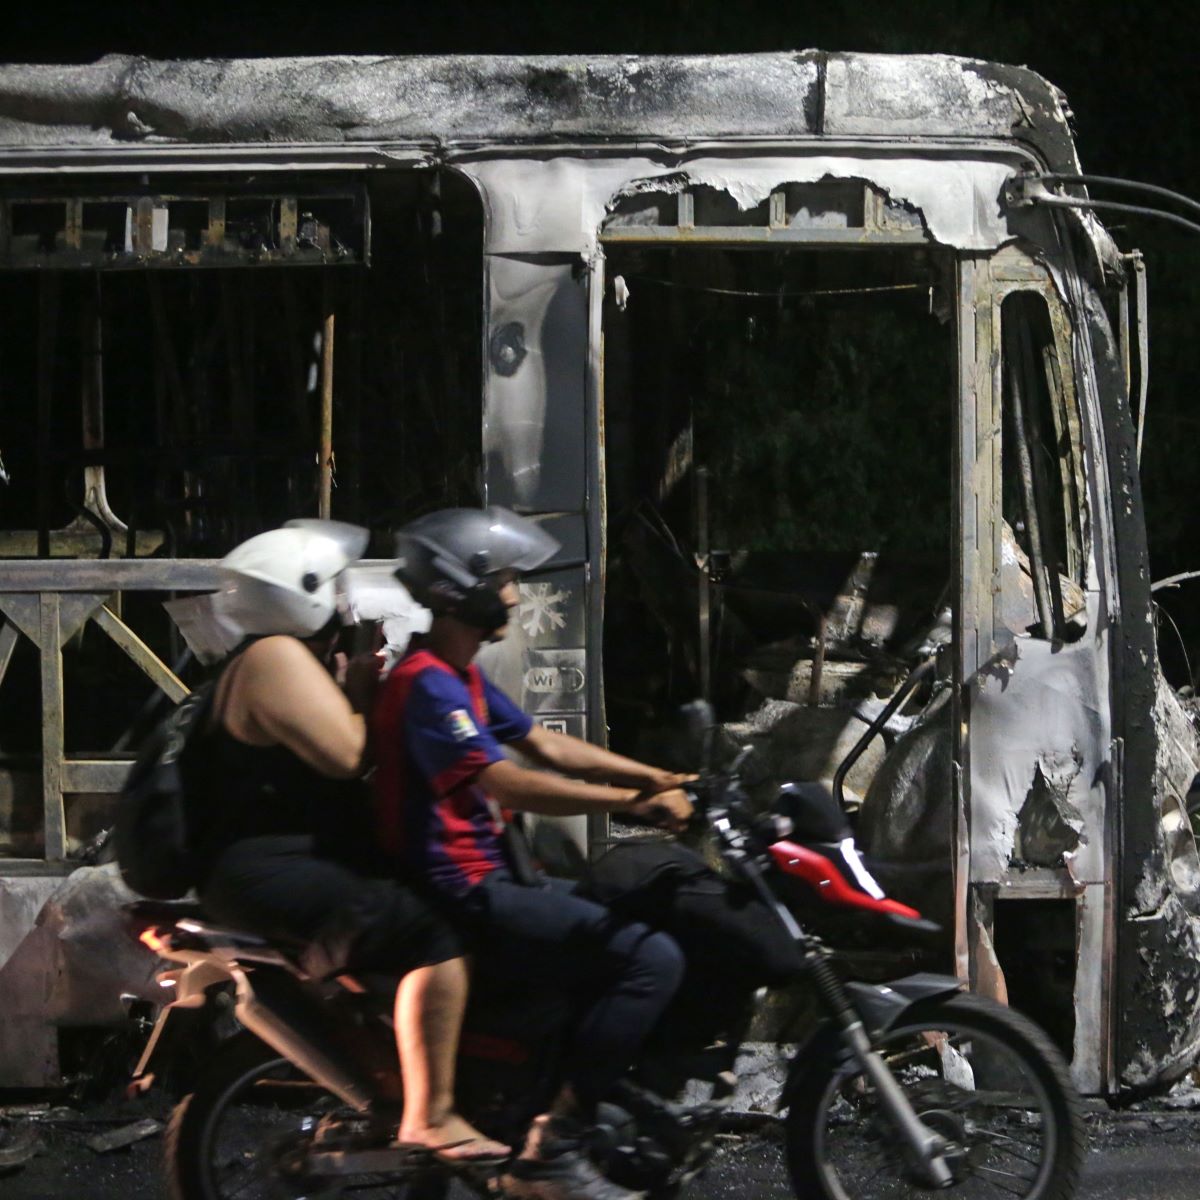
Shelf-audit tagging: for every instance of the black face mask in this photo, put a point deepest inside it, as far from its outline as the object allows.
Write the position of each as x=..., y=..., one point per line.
x=480, y=606
x=483, y=608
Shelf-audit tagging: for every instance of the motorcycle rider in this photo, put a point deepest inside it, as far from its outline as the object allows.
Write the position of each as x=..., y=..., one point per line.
x=282, y=758
x=441, y=783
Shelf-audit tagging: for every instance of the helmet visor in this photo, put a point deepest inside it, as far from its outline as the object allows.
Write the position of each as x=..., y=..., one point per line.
x=516, y=543
x=373, y=594
x=352, y=539
x=467, y=545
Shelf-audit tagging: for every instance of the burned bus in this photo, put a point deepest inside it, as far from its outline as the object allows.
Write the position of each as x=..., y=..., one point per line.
x=813, y=363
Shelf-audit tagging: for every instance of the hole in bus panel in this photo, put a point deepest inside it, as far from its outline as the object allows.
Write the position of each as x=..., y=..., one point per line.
x=778, y=436
x=1042, y=561
x=211, y=403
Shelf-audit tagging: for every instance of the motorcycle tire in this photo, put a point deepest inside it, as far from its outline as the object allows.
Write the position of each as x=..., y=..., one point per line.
x=226, y=1139
x=981, y=1075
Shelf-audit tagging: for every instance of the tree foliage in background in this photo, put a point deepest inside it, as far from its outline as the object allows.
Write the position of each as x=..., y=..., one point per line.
x=826, y=425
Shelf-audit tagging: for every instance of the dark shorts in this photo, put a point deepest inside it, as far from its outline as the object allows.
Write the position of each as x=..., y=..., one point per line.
x=337, y=919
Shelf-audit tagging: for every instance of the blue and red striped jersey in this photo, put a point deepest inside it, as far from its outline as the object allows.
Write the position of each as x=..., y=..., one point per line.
x=435, y=728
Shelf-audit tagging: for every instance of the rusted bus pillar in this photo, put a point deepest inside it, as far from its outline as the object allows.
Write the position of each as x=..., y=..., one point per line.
x=703, y=583
x=48, y=290
x=966, y=640
x=1033, y=713
x=595, y=528
x=50, y=647
x=325, y=451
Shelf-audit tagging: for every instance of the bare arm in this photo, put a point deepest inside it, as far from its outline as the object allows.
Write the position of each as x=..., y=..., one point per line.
x=281, y=695
x=572, y=756
x=533, y=791
x=552, y=795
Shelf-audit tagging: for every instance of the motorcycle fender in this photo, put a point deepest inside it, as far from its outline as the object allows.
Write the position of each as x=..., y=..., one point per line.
x=193, y=982
x=882, y=1005
x=179, y=1020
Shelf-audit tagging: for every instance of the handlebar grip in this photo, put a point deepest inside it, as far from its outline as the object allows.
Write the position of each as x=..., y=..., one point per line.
x=695, y=793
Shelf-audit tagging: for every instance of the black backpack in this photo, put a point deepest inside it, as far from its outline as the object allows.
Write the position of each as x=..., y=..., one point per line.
x=155, y=846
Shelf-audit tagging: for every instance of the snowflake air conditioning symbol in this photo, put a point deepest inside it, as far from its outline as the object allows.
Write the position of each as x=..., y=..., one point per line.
x=540, y=609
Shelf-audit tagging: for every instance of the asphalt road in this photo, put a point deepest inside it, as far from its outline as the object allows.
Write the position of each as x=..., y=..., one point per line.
x=1134, y=1156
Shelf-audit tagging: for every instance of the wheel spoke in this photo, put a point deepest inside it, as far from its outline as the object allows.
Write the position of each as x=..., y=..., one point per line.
x=989, y=1171
x=1004, y=1137
x=1029, y=1162
x=988, y=1099
x=997, y=1140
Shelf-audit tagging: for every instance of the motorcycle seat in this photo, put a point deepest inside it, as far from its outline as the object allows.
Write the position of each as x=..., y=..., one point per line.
x=166, y=910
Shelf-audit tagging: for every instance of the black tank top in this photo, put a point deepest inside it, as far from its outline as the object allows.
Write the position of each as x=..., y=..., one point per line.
x=244, y=791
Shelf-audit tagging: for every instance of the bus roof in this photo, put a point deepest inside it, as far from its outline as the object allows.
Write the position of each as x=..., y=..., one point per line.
x=467, y=100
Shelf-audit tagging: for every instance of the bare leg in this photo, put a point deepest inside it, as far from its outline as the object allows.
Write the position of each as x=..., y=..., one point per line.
x=430, y=1002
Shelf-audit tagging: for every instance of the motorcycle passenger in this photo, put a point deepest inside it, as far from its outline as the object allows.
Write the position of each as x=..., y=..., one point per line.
x=441, y=782
x=282, y=758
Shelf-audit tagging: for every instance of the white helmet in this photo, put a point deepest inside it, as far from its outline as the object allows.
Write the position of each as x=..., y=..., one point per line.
x=284, y=580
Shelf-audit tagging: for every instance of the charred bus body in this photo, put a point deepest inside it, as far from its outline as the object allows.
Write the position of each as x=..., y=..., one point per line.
x=777, y=345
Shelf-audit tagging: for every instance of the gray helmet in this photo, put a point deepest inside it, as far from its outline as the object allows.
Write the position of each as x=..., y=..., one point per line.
x=448, y=558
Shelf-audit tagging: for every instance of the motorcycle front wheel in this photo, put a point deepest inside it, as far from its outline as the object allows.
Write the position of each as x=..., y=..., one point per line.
x=983, y=1077
x=244, y=1132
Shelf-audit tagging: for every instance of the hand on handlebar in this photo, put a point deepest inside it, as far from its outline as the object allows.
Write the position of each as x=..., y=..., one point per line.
x=670, y=808
x=664, y=781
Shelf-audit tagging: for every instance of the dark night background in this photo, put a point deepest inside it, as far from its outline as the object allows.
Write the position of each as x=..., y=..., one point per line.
x=1129, y=71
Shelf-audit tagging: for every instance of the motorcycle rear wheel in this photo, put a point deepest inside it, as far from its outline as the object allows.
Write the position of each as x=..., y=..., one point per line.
x=242, y=1134
x=982, y=1075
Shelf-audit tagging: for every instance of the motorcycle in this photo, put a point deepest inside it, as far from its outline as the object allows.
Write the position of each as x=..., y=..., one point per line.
x=895, y=1090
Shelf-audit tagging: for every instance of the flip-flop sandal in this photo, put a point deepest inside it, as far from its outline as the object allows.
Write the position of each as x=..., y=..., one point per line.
x=484, y=1159
x=415, y=1151
x=442, y=1155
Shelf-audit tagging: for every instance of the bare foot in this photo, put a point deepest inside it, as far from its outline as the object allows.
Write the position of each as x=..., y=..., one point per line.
x=462, y=1142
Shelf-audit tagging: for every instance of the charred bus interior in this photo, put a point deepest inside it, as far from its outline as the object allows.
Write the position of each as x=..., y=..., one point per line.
x=181, y=358
x=779, y=430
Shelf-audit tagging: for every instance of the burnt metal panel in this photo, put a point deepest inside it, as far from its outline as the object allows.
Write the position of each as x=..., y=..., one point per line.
x=541, y=662
x=28, y=1042
x=111, y=575
x=1038, y=760
x=558, y=203
x=65, y=959
x=1157, y=961
x=881, y=94
x=413, y=97
x=554, y=681
x=569, y=531
x=535, y=351
x=468, y=98
x=571, y=724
